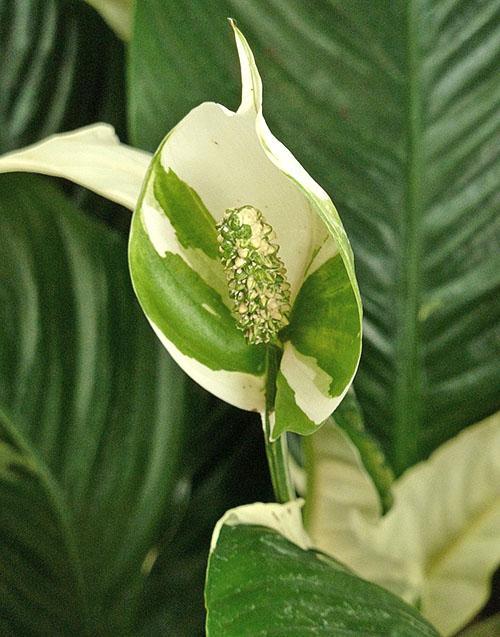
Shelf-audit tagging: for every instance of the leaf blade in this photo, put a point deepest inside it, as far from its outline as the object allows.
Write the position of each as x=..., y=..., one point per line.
x=259, y=582
x=46, y=561
x=50, y=65
x=98, y=400
x=441, y=534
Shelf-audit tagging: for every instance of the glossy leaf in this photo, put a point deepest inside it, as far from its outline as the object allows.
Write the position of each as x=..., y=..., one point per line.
x=228, y=466
x=94, y=415
x=40, y=565
x=53, y=53
x=393, y=109
x=259, y=582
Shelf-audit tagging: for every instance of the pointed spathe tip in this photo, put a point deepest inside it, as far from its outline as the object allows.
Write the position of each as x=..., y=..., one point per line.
x=251, y=84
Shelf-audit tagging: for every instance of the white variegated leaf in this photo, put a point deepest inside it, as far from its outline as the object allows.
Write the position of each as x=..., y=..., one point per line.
x=92, y=157
x=440, y=542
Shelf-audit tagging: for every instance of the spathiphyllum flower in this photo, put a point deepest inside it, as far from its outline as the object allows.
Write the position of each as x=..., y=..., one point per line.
x=235, y=252
x=234, y=247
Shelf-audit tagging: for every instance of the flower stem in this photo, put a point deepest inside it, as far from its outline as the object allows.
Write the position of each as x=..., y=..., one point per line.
x=277, y=450
x=277, y=457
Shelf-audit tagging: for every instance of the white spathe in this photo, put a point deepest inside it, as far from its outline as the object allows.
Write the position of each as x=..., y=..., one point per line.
x=92, y=157
x=218, y=153
x=440, y=541
x=232, y=160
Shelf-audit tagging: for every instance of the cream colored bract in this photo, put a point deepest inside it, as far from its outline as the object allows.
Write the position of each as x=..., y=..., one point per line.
x=438, y=545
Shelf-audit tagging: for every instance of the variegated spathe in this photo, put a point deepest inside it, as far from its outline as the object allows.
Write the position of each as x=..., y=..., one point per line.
x=216, y=305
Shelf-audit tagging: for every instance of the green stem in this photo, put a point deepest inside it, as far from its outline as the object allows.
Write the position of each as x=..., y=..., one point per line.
x=277, y=457
x=277, y=450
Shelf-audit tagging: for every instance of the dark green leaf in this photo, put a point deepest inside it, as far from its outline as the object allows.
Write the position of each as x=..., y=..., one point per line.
x=260, y=584
x=102, y=411
x=52, y=71
x=39, y=566
x=233, y=472
x=198, y=64
x=393, y=107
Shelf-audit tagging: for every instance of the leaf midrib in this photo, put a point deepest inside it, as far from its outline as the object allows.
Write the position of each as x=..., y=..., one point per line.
x=408, y=384
x=54, y=496
x=434, y=562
